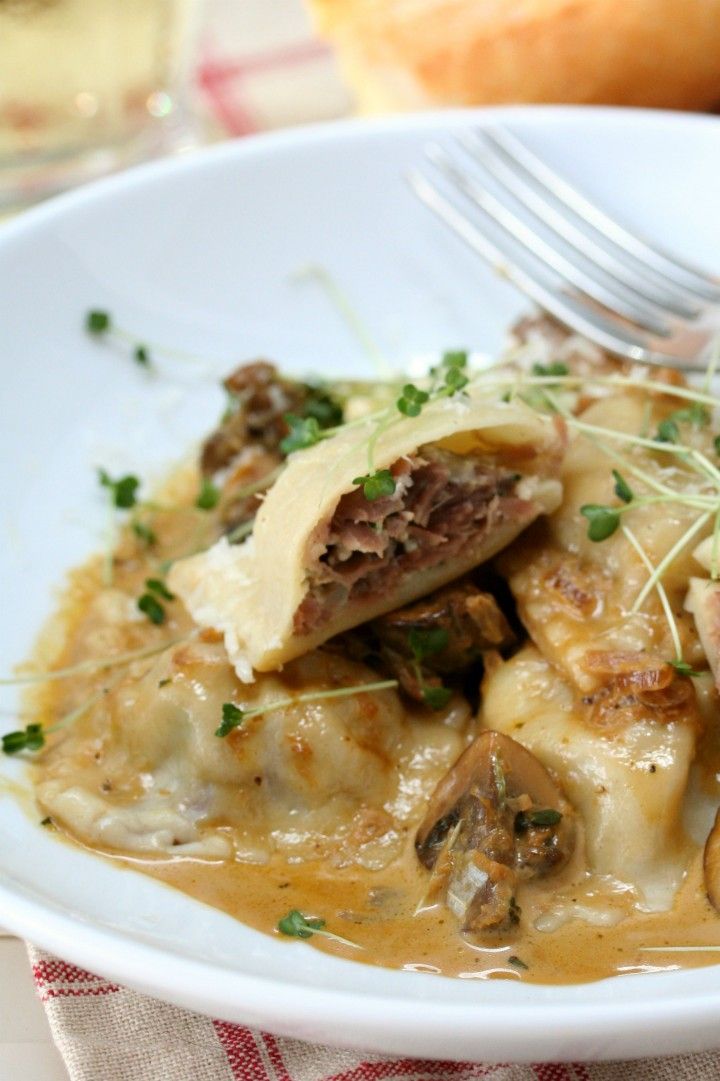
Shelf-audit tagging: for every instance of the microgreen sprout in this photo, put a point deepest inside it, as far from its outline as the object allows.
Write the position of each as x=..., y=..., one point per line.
x=555, y=368
x=296, y=925
x=412, y=400
x=94, y=664
x=376, y=485
x=667, y=431
x=544, y=817
x=31, y=738
x=100, y=324
x=304, y=432
x=684, y=669
x=424, y=644
x=208, y=496
x=149, y=604
x=143, y=532
x=622, y=489
x=123, y=491
x=97, y=322
x=602, y=521
x=233, y=716
x=517, y=962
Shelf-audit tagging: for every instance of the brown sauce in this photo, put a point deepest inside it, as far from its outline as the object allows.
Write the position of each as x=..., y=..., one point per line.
x=376, y=910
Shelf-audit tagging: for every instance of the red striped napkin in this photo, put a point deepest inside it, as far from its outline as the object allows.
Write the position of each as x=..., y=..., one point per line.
x=107, y=1033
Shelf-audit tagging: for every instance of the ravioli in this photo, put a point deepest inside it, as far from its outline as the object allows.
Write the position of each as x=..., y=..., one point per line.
x=460, y=482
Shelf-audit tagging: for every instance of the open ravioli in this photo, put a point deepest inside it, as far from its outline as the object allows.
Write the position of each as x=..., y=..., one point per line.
x=460, y=481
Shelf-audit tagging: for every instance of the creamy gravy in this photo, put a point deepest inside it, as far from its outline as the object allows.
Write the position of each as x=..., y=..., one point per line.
x=376, y=909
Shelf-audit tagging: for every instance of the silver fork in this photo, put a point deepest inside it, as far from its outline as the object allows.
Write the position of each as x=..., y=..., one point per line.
x=623, y=292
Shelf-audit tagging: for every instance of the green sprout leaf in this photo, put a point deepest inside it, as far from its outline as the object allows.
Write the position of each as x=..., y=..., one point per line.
x=667, y=431
x=376, y=485
x=684, y=669
x=602, y=521
x=716, y=444
x=622, y=488
x=412, y=400
x=208, y=496
x=544, y=817
x=555, y=368
x=295, y=925
x=144, y=533
x=232, y=717
x=32, y=738
x=151, y=607
x=123, y=490
x=436, y=697
x=426, y=643
x=454, y=358
x=97, y=322
x=455, y=380
x=516, y=962
x=695, y=414
x=141, y=356
x=323, y=408
x=156, y=585
x=304, y=432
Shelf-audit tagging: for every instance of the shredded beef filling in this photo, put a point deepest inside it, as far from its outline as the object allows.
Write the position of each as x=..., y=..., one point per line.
x=442, y=503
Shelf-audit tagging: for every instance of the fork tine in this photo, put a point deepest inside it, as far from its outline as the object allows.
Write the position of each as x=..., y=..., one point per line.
x=510, y=176
x=574, y=314
x=678, y=271
x=622, y=303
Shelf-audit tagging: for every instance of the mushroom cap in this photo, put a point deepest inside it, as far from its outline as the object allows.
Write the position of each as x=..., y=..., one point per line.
x=491, y=761
x=496, y=817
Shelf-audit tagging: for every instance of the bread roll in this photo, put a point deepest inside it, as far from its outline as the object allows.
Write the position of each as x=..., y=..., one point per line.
x=408, y=54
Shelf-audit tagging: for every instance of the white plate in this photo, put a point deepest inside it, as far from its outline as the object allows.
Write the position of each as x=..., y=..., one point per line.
x=201, y=253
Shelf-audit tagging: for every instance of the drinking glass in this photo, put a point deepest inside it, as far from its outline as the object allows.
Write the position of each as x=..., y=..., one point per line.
x=88, y=86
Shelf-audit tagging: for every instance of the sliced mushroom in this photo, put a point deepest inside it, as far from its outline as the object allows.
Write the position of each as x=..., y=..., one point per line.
x=496, y=818
x=711, y=864
x=470, y=619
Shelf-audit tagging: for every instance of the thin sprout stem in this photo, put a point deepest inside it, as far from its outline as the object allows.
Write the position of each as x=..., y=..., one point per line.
x=668, y=559
x=626, y=463
x=346, y=310
x=95, y=664
x=317, y=696
x=672, y=623
x=79, y=711
x=571, y=381
x=337, y=938
x=715, y=549
x=712, y=365
x=679, y=949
